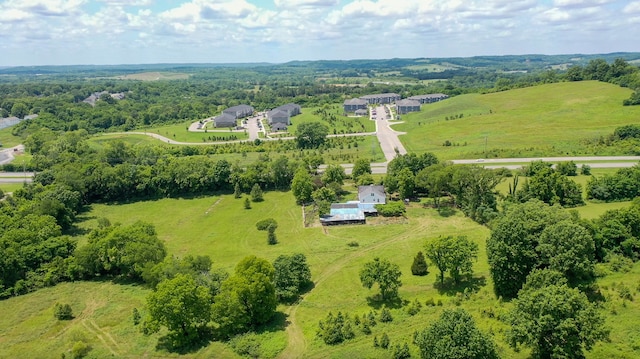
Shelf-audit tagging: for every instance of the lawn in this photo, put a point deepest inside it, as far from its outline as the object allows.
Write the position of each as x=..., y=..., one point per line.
x=553, y=119
x=179, y=132
x=342, y=124
x=8, y=140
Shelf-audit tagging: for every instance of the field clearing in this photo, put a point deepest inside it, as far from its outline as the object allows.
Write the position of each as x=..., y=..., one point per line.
x=154, y=76
x=520, y=123
x=10, y=187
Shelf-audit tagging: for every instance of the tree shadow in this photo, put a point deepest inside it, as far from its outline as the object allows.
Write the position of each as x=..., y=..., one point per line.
x=376, y=302
x=173, y=343
x=446, y=211
x=278, y=323
x=451, y=288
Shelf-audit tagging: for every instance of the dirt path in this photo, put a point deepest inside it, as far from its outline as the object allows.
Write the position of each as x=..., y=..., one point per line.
x=94, y=329
x=297, y=344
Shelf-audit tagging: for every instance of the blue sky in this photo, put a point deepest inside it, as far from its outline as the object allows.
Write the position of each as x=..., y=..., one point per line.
x=55, y=32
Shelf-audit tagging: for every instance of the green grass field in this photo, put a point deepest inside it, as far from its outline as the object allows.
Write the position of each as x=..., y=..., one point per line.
x=342, y=125
x=551, y=119
x=179, y=132
x=220, y=227
x=7, y=139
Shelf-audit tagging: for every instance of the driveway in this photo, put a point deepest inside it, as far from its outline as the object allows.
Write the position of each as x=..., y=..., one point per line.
x=252, y=126
x=388, y=138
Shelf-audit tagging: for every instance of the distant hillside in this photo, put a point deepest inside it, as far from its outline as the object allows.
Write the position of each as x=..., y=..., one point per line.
x=553, y=119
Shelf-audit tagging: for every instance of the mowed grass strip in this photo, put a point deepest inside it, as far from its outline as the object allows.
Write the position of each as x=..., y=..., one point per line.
x=7, y=139
x=551, y=119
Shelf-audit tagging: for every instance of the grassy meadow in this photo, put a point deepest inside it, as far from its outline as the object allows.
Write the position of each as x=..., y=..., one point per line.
x=8, y=140
x=552, y=119
x=180, y=132
x=220, y=227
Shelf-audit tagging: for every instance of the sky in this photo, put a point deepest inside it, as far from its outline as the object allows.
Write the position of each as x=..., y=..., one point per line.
x=70, y=32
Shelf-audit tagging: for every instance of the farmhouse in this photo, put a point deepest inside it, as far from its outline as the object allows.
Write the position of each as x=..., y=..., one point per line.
x=406, y=106
x=430, y=98
x=239, y=111
x=224, y=120
x=355, y=212
x=354, y=104
x=381, y=98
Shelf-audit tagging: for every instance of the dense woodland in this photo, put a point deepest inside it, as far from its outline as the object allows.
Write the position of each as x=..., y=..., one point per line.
x=537, y=252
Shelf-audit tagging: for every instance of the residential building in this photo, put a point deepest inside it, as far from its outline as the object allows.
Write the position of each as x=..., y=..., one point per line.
x=406, y=106
x=382, y=98
x=239, y=111
x=225, y=120
x=362, y=112
x=372, y=194
x=354, y=104
x=430, y=98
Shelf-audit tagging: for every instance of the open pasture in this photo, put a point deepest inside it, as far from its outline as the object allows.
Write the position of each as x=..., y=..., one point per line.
x=552, y=119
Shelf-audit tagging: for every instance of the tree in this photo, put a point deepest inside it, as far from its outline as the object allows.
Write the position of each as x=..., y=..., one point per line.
x=62, y=311
x=271, y=236
x=419, y=266
x=182, y=306
x=552, y=187
x=567, y=168
x=256, y=193
x=311, y=134
x=323, y=197
x=291, y=276
x=455, y=336
x=406, y=183
x=361, y=167
x=453, y=254
x=554, y=320
x=247, y=203
x=385, y=274
x=237, y=192
x=302, y=186
x=334, y=174
x=248, y=298
x=511, y=249
x=474, y=191
x=568, y=248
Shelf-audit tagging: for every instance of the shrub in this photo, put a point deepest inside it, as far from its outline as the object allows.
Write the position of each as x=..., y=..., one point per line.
x=430, y=302
x=136, y=316
x=264, y=224
x=414, y=307
x=247, y=203
x=385, y=315
x=79, y=350
x=353, y=244
x=419, y=266
x=384, y=341
x=401, y=351
x=256, y=193
x=585, y=170
x=246, y=345
x=391, y=209
x=62, y=311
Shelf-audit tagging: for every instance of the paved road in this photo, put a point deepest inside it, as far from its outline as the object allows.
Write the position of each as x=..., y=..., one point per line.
x=6, y=155
x=388, y=138
x=16, y=177
x=253, y=129
x=490, y=161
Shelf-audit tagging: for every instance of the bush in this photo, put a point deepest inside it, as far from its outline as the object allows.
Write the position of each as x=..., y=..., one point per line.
x=585, y=170
x=568, y=168
x=414, y=307
x=247, y=203
x=419, y=266
x=79, y=350
x=353, y=244
x=401, y=352
x=384, y=341
x=264, y=224
x=271, y=236
x=391, y=209
x=256, y=193
x=136, y=316
x=62, y=311
x=246, y=345
x=385, y=315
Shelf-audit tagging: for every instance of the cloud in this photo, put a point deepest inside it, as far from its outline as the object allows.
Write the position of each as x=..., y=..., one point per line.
x=11, y=15
x=46, y=7
x=304, y=3
x=580, y=3
x=127, y=2
x=632, y=8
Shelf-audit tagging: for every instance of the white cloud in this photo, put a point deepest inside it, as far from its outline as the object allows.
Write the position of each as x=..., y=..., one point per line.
x=305, y=3
x=46, y=7
x=11, y=15
x=127, y=2
x=632, y=8
x=580, y=3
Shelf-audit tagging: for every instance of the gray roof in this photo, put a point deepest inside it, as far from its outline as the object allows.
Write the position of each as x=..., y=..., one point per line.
x=364, y=191
x=355, y=101
x=240, y=108
x=408, y=102
x=428, y=96
x=291, y=108
x=381, y=95
x=31, y=117
x=224, y=118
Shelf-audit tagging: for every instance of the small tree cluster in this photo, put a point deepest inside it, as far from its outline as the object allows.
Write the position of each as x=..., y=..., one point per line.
x=385, y=315
x=256, y=193
x=335, y=329
x=391, y=209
